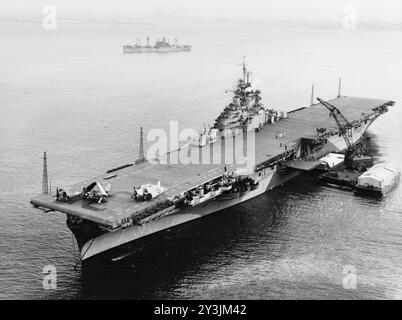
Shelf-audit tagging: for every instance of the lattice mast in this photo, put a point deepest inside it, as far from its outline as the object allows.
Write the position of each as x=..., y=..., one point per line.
x=45, y=179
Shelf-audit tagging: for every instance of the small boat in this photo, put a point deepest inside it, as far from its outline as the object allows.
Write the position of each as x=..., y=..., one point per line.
x=203, y=197
x=378, y=180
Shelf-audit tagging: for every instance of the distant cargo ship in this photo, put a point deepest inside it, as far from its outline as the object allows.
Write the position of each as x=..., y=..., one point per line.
x=160, y=46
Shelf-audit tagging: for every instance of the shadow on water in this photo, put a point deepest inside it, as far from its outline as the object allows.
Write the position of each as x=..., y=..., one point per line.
x=153, y=266
x=375, y=147
x=156, y=263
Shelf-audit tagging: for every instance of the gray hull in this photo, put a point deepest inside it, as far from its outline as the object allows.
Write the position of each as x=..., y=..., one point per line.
x=270, y=179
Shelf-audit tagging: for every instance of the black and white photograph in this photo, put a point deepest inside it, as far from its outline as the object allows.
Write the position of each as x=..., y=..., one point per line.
x=219, y=151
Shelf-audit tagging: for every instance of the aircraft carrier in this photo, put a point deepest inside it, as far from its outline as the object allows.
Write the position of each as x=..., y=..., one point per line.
x=153, y=194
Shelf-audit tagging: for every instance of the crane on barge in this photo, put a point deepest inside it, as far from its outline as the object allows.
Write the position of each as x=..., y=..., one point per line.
x=355, y=151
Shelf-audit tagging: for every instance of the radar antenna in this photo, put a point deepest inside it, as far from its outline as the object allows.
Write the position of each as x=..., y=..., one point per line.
x=243, y=64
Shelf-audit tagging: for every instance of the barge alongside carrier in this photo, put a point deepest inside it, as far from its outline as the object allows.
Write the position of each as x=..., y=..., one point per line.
x=140, y=199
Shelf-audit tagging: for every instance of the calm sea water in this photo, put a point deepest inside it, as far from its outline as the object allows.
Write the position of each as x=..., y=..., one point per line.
x=74, y=94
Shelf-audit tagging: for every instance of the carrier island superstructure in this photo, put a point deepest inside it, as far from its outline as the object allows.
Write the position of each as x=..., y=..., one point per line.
x=133, y=201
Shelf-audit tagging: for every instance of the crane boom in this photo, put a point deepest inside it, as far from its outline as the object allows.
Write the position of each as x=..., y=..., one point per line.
x=343, y=124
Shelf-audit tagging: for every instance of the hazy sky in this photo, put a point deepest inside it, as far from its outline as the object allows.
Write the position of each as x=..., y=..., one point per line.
x=273, y=10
